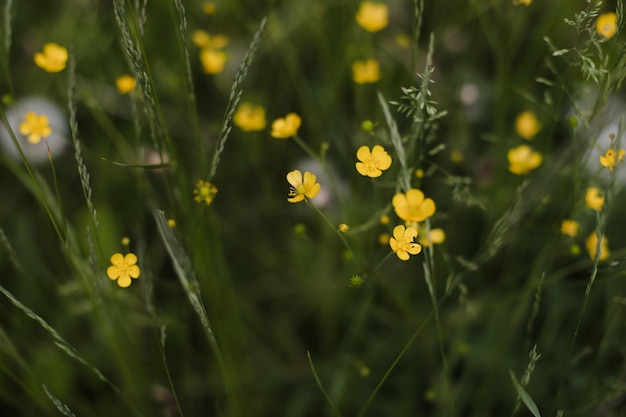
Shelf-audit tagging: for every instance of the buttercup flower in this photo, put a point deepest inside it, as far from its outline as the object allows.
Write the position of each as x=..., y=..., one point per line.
x=123, y=269
x=249, y=117
x=209, y=8
x=592, y=245
x=412, y=206
x=213, y=60
x=593, y=199
x=527, y=125
x=366, y=72
x=52, y=59
x=435, y=237
x=372, y=16
x=523, y=159
x=372, y=163
x=402, y=242
x=35, y=127
x=569, y=228
x=302, y=186
x=286, y=127
x=205, y=191
x=202, y=39
x=125, y=84
x=611, y=158
x=606, y=25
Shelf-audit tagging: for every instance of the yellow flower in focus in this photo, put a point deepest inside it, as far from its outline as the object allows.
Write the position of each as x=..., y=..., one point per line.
x=412, y=206
x=123, y=269
x=366, y=72
x=435, y=237
x=372, y=16
x=593, y=199
x=523, y=159
x=569, y=228
x=202, y=39
x=372, y=163
x=606, y=25
x=302, y=187
x=213, y=61
x=205, y=191
x=125, y=84
x=286, y=127
x=402, y=242
x=209, y=8
x=611, y=158
x=53, y=58
x=35, y=127
x=527, y=125
x=592, y=246
x=249, y=117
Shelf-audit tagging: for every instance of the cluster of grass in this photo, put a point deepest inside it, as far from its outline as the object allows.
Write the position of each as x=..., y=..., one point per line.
x=249, y=305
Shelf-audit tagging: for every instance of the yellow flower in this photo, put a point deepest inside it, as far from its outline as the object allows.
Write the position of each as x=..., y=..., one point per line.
x=412, y=206
x=125, y=84
x=372, y=163
x=53, y=57
x=286, y=127
x=527, y=125
x=372, y=16
x=525, y=2
x=302, y=187
x=523, y=159
x=384, y=219
x=366, y=72
x=123, y=269
x=249, y=117
x=343, y=228
x=611, y=158
x=209, y=8
x=205, y=191
x=125, y=241
x=593, y=199
x=213, y=61
x=606, y=25
x=592, y=246
x=435, y=237
x=202, y=39
x=457, y=157
x=402, y=242
x=569, y=228
x=35, y=127
x=171, y=223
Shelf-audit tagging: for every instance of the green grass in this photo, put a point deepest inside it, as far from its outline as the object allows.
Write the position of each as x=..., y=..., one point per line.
x=245, y=307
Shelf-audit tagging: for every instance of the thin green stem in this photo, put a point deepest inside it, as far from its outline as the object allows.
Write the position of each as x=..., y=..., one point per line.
x=321, y=387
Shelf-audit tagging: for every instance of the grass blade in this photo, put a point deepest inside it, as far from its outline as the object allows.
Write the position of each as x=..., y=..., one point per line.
x=526, y=399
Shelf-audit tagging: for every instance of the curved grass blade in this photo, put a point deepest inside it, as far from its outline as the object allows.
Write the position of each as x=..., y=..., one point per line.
x=526, y=399
x=321, y=387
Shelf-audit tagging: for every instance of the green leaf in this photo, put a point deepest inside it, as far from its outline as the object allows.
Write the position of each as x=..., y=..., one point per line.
x=528, y=401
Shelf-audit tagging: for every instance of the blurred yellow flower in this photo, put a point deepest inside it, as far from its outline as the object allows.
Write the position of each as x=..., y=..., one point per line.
x=249, y=117
x=593, y=199
x=372, y=163
x=202, y=39
x=35, y=127
x=123, y=269
x=209, y=8
x=611, y=158
x=53, y=58
x=606, y=25
x=402, y=242
x=527, y=125
x=435, y=237
x=412, y=206
x=205, y=191
x=365, y=72
x=302, y=186
x=171, y=223
x=523, y=159
x=286, y=127
x=212, y=60
x=569, y=228
x=372, y=16
x=343, y=228
x=125, y=84
x=457, y=156
x=592, y=246
x=525, y=2
x=384, y=219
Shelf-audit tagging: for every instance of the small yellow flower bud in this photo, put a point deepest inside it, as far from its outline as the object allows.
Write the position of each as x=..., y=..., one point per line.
x=343, y=228
x=125, y=241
